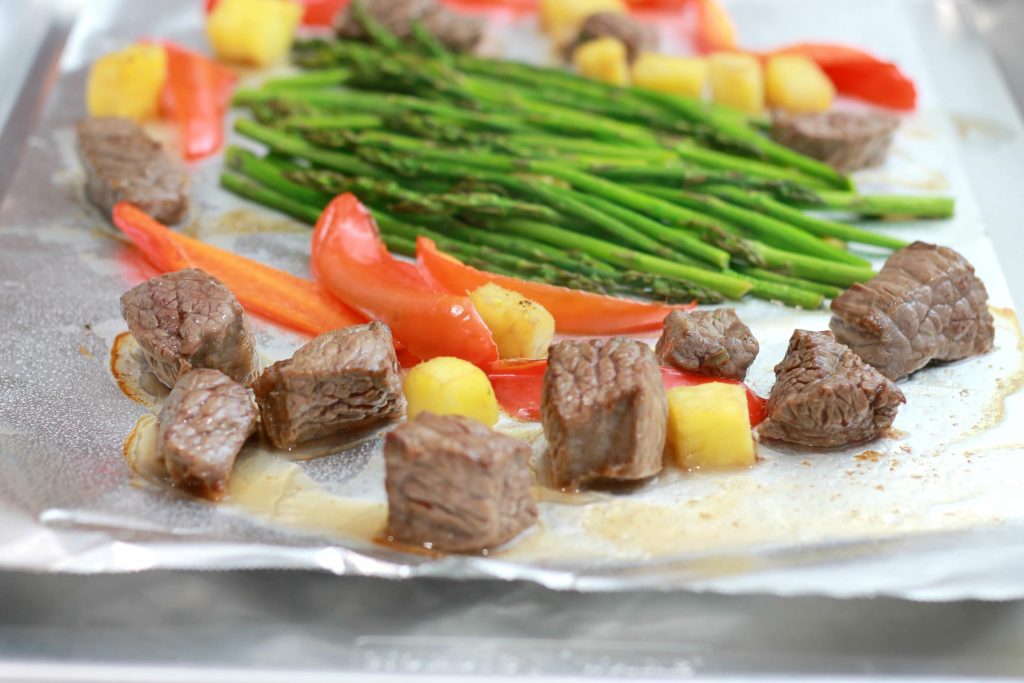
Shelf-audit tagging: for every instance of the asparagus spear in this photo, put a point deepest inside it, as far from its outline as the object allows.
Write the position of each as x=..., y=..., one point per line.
x=875, y=205
x=769, y=230
x=812, y=224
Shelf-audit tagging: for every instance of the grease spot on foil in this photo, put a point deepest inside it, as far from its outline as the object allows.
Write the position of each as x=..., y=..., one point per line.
x=279, y=491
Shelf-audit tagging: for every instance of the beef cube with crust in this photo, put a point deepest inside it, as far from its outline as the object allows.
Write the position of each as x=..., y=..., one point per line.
x=342, y=380
x=846, y=140
x=825, y=396
x=455, y=485
x=457, y=31
x=926, y=304
x=188, y=319
x=604, y=410
x=123, y=164
x=714, y=343
x=202, y=426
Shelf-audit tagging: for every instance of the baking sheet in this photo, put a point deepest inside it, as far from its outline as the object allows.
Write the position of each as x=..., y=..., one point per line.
x=844, y=523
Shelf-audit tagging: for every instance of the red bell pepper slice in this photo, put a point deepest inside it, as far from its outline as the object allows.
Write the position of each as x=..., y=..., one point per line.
x=351, y=262
x=281, y=297
x=196, y=96
x=518, y=384
x=575, y=312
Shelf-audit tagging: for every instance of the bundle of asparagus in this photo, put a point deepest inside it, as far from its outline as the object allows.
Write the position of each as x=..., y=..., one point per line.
x=534, y=172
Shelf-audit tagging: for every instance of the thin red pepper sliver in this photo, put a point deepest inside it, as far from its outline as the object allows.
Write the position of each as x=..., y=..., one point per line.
x=517, y=386
x=196, y=96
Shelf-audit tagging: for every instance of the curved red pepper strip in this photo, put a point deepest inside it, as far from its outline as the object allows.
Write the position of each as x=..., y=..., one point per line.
x=575, y=312
x=350, y=260
x=517, y=385
x=196, y=96
x=273, y=294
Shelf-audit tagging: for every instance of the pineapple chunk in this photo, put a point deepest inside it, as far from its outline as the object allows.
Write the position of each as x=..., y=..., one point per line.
x=709, y=426
x=678, y=75
x=127, y=83
x=257, y=32
x=521, y=328
x=603, y=59
x=561, y=19
x=737, y=81
x=797, y=84
x=451, y=386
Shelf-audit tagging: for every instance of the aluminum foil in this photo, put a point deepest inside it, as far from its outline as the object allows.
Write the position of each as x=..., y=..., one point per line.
x=935, y=509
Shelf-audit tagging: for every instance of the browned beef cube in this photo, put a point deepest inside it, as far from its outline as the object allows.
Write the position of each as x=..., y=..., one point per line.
x=926, y=304
x=342, y=380
x=203, y=424
x=715, y=343
x=604, y=411
x=825, y=396
x=458, y=31
x=123, y=164
x=186, y=320
x=455, y=485
x=847, y=141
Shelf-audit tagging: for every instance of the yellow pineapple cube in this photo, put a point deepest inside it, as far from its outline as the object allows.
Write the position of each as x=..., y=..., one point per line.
x=604, y=60
x=450, y=386
x=521, y=328
x=561, y=19
x=737, y=81
x=127, y=83
x=797, y=84
x=685, y=76
x=257, y=32
x=709, y=426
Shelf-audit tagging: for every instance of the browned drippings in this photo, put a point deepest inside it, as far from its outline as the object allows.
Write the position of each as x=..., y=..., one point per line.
x=132, y=374
x=246, y=221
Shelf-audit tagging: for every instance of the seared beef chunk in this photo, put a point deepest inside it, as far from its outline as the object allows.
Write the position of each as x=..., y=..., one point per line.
x=715, y=343
x=926, y=304
x=342, y=380
x=825, y=396
x=847, y=141
x=604, y=411
x=123, y=164
x=186, y=320
x=635, y=35
x=455, y=485
x=458, y=32
x=203, y=424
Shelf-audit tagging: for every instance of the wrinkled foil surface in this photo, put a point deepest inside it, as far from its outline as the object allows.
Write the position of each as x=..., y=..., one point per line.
x=938, y=503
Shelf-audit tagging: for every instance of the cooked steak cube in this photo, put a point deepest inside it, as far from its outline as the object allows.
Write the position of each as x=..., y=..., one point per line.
x=825, y=396
x=925, y=305
x=342, y=380
x=715, y=343
x=635, y=35
x=459, y=32
x=203, y=424
x=847, y=141
x=123, y=164
x=186, y=320
x=604, y=411
x=455, y=485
